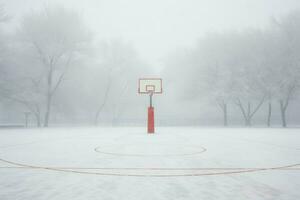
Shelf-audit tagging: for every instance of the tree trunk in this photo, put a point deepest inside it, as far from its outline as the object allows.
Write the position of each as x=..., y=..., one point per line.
x=100, y=108
x=248, y=121
x=248, y=117
x=269, y=114
x=48, y=109
x=225, y=115
x=283, y=116
x=49, y=98
x=38, y=120
x=249, y=112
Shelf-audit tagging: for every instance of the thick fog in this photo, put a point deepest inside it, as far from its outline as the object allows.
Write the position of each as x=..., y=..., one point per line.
x=223, y=63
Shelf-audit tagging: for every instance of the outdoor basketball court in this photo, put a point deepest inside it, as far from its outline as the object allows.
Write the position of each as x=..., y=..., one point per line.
x=174, y=163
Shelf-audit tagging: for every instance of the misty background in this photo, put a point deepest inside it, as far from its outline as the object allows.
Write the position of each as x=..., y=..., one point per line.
x=230, y=63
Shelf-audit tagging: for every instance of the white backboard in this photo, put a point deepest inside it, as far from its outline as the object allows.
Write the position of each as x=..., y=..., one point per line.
x=150, y=85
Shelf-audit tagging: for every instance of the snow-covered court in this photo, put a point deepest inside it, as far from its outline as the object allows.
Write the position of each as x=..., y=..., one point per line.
x=126, y=163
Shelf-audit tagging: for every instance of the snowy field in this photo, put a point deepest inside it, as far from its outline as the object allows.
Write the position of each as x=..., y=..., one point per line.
x=126, y=163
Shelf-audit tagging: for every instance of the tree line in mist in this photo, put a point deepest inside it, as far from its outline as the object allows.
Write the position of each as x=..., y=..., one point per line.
x=54, y=67
x=248, y=70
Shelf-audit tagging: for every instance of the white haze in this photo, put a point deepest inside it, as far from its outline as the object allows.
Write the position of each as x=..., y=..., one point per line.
x=157, y=27
x=94, y=51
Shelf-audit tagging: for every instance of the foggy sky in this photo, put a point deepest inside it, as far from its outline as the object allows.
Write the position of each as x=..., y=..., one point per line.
x=157, y=27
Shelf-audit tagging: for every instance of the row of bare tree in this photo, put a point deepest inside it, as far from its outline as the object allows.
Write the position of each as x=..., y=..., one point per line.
x=247, y=69
x=52, y=66
x=51, y=63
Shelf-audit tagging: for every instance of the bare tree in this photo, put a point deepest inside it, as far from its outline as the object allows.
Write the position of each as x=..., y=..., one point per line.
x=248, y=94
x=101, y=106
x=56, y=37
x=287, y=35
x=27, y=94
x=5, y=71
x=120, y=64
x=220, y=83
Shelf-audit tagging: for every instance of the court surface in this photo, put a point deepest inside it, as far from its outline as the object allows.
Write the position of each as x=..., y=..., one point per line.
x=126, y=163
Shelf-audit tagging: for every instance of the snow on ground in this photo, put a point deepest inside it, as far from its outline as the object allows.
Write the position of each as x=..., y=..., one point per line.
x=126, y=163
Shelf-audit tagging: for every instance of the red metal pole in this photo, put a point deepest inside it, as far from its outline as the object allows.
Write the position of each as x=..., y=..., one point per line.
x=150, y=119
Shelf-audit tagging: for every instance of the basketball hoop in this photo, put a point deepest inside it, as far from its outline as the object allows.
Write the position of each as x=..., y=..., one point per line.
x=150, y=86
